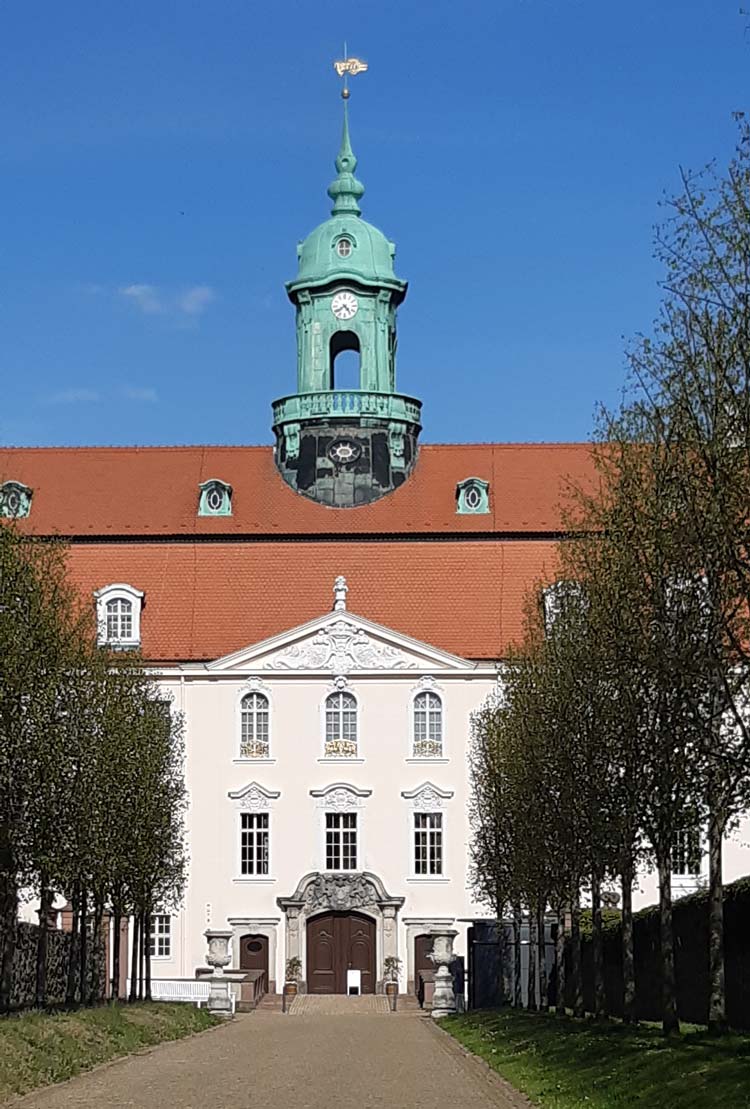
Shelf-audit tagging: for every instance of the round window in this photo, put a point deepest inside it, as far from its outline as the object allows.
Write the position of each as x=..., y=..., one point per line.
x=344, y=248
x=215, y=498
x=255, y=946
x=472, y=497
x=13, y=502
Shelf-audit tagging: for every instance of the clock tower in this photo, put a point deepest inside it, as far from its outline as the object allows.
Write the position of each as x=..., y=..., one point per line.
x=346, y=447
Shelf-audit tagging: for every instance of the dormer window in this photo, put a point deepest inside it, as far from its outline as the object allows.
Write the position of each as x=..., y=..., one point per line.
x=15, y=500
x=118, y=616
x=344, y=248
x=562, y=599
x=215, y=498
x=472, y=496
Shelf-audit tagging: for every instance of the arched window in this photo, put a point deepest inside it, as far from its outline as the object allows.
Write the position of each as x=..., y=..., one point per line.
x=254, y=727
x=119, y=620
x=118, y=615
x=341, y=726
x=428, y=726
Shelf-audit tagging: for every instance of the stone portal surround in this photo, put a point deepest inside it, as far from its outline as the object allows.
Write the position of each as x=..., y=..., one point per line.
x=260, y=926
x=358, y=891
x=421, y=926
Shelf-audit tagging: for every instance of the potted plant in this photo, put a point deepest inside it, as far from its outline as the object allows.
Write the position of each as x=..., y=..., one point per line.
x=293, y=968
x=392, y=968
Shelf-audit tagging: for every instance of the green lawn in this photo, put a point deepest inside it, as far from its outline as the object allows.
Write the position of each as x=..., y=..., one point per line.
x=37, y=1049
x=566, y=1064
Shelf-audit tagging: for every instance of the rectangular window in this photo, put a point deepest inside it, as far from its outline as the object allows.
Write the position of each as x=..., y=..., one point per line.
x=254, y=843
x=687, y=855
x=428, y=843
x=161, y=936
x=341, y=841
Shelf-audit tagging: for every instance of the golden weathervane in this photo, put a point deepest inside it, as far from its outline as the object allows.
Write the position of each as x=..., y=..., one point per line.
x=347, y=68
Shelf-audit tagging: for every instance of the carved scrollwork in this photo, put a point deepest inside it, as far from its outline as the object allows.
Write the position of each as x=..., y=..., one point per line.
x=340, y=892
x=341, y=646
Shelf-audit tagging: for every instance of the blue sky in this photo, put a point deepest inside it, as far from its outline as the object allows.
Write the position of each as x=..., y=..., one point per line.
x=159, y=160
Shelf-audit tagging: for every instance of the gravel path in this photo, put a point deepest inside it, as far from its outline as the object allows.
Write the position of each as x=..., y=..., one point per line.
x=272, y=1061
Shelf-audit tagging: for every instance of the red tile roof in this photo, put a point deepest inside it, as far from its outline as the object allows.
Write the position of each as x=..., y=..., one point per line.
x=154, y=491
x=205, y=600
x=411, y=562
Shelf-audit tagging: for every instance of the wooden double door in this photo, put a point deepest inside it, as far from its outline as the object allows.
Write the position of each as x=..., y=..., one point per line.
x=336, y=943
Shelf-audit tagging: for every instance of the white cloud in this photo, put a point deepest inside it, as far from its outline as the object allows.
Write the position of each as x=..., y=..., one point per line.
x=73, y=396
x=144, y=393
x=145, y=297
x=195, y=300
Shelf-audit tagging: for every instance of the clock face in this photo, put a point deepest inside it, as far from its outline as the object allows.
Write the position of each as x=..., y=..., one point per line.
x=344, y=306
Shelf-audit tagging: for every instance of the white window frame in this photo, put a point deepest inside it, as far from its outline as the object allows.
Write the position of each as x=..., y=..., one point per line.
x=258, y=692
x=341, y=797
x=156, y=934
x=427, y=798
x=324, y=757
x=688, y=875
x=253, y=798
x=254, y=813
x=351, y=812
x=416, y=815
x=426, y=692
x=118, y=592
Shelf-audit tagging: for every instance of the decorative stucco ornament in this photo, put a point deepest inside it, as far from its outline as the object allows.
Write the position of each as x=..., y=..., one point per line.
x=341, y=646
x=342, y=892
x=340, y=590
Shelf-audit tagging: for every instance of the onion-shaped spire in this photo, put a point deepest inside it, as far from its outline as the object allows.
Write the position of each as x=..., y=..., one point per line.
x=346, y=190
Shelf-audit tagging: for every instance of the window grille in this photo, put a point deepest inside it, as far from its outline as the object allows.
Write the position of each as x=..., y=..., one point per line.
x=341, y=726
x=254, y=742
x=428, y=843
x=341, y=841
x=687, y=854
x=428, y=726
x=160, y=940
x=119, y=620
x=254, y=843
x=344, y=248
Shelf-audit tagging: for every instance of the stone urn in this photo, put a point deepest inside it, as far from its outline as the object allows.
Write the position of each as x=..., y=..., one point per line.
x=219, y=956
x=444, y=999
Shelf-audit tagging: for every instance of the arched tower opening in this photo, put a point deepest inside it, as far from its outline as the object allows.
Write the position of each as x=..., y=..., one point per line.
x=345, y=366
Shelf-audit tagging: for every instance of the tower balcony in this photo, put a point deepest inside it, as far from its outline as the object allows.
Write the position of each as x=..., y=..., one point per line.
x=335, y=405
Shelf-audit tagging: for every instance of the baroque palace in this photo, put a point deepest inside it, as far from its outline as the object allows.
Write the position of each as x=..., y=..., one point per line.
x=326, y=614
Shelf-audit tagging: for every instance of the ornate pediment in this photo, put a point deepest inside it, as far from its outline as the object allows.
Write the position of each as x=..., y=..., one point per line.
x=339, y=892
x=427, y=797
x=341, y=643
x=341, y=646
x=254, y=797
x=340, y=797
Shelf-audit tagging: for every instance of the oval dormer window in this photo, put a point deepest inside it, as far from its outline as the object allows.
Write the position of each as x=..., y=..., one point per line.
x=472, y=495
x=215, y=498
x=344, y=248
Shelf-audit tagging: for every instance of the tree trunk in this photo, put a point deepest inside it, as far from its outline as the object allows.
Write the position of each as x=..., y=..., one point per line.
x=116, y=929
x=45, y=905
x=717, y=1011
x=542, y=949
x=95, y=990
x=503, y=983
x=141, y=931
x=147, y=954
x=83, y=963
x=135, y=948
x=597, y=947
x=560, y=963
x=517, y=991
x=70, y=991
x=629, y=1012
x=532, y=968
x=8, y=926
x=575, y=956
x=669, y=1020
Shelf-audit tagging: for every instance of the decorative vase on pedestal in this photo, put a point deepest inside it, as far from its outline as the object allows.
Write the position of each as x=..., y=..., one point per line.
x=444, y=999
x=219, y=1001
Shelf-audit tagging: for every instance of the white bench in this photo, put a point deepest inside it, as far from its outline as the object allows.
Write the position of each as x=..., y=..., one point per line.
x=184, y=989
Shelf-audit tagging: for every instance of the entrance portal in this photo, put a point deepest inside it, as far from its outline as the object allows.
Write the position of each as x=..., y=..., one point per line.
x=336, y=943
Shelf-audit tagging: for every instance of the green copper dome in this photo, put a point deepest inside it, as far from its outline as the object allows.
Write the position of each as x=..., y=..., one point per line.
x=346, y=247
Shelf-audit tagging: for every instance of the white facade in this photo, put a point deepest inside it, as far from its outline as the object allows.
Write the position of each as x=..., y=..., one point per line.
x=286, y=788
x=297, y=784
